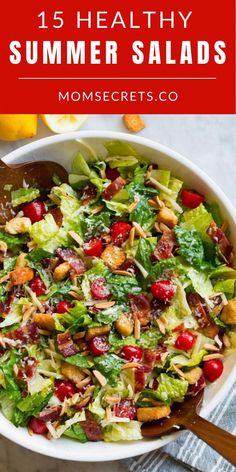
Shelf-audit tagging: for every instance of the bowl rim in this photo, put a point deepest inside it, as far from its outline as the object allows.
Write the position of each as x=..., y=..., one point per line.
x=144, y=446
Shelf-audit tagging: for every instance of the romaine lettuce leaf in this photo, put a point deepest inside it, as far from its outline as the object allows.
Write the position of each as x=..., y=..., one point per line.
x=23, y=195
x=44, y=233
x=80, y=361
x=13, y=241
x=76, y=432
x=121, y=286
x=120, y=148
x=199, y=220
x=143, y=215
x=144, y=252
x=149, y=339
x=109, y=365
x=123, y=432
x=169, y=389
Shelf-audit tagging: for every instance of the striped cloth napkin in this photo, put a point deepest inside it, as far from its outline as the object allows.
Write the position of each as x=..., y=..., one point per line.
x=188, y=452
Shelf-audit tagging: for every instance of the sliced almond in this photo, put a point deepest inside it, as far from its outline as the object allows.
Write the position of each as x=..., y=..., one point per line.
x=84, y=402
x=224, y=226
x=131, y=237
x=130, y=365
x=83, y=382
x=139, y=230
x=108, y=413
x=210, y=347
x=153, y=204
x=74, y=295
x=79, y=335
x=158, y=185
x=122, y=272
x=161, y=326
x=76, y=237
x=178, y=371
x=44, y=332
x=100, y=378
x=208, y=357
x=137, y=327
x=103, y=305
x=160, y=203
x=133, y=205
x=97, y=209
x=226, y=340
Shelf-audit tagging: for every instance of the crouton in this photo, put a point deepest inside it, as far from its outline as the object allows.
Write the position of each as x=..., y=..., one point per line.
x=113, y=256
x=229, y=312
x=18, y=225
x=167, y=217
x=72, y=372
x=21, y=261
x=61, y=271
x=124, y=325
x=44, y=321
x=97, y=331
x=21, y=276
x=153, y=413
x=133, y=123
x=193, y=375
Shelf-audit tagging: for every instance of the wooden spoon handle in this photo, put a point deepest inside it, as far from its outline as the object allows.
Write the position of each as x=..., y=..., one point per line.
x=222, y=441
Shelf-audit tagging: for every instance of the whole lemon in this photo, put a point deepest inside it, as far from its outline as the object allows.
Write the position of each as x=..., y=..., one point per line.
x=13, y=127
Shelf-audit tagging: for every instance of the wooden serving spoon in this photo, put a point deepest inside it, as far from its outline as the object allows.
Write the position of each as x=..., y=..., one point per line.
x=184, y=416
x=37, y=173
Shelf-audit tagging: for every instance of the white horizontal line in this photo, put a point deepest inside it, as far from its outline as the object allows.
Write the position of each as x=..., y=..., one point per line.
x=117, y=78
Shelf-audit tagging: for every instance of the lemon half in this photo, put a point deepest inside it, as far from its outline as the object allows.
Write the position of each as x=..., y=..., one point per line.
x=63, y=123
x=13, y=127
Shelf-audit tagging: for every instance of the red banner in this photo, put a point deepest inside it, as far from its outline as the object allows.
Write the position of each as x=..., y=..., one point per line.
x=117, y=57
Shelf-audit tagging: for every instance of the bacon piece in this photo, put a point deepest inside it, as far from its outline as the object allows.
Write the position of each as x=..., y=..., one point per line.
x=50, y=413
x=27, y=369
x=91, y=428
x=158, y=307
x=139, y=378
x=70, y=256
x=141, y=308
x=89, y=193
x=200, y=311
x=194, y=389
x=65, y=345
x=149, y=357
x=113, y=188
x=57, y=215
x=6, y=306
x=219, y=238
x=165, y=246
x=26, y=334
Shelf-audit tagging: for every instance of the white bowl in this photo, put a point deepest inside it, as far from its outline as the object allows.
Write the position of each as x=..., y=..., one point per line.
x=61, y=148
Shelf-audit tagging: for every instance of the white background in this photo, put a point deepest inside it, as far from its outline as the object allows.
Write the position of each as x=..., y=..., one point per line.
x=210, y=142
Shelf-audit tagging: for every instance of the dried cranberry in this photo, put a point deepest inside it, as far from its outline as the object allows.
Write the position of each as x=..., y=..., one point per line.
x=38, y=426
x=125, y=409
x=27, y=369
x=157, y=307
x=132, y=353
x=57, y=215
x=93, y=247
x=35, y=211
x=112, y=174
x=213, y=369
x=63, y=306
x=37, y=286
x=99, y=345
x=139, y=376
x=120, y=232
x=64, y=389
x=99, y=289
x=185, y=341
x=191, y=199
x=26, y=334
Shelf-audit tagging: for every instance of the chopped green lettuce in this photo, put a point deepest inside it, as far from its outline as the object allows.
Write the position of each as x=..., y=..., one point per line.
x=45, y=232
x=149, y=339
x=120, y=148
x=109, y=365
x=121, y=286
x=143, y=215
x=80, y=361
x=76, y=432
x=130, y=431
x=13, y=241
x=23, y=195
x=199, y=220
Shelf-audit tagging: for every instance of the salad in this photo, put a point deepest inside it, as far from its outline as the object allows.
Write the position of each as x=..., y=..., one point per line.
x=117, y=298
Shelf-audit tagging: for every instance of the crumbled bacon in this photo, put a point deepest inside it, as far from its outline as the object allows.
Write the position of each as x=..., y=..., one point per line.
x=27, y=368
x=26, y=334
x=50, y=413
x=200, y=312
x=91, y=428
x=158, y=307
x=50, y=263
x=112, y=189
x=219, y=238
x=70, y=256
x=6, y=306
x=89, y=193
x=139, y=376
x=66, y=345
x=141, y=308
x=149, y=357
x=165, y=246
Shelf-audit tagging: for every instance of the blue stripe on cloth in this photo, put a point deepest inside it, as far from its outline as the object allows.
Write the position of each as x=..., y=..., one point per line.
x=188, y=452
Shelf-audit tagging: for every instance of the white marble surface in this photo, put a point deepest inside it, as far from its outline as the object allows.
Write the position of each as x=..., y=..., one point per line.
x=210, y=142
